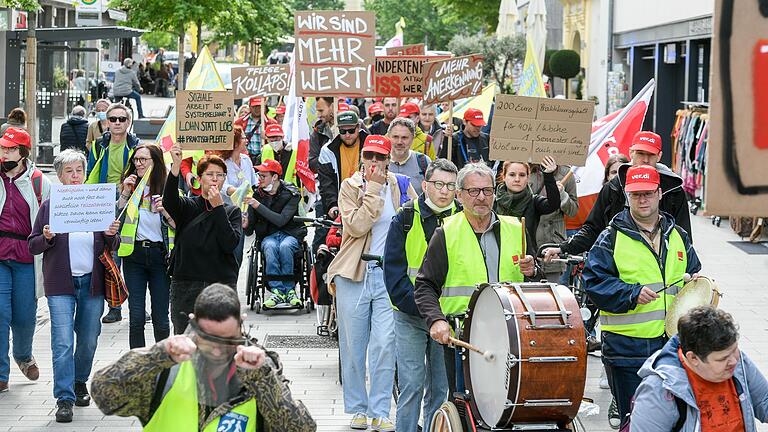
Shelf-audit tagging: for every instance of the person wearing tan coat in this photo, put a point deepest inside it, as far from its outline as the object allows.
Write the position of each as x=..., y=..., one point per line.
x=367, y=202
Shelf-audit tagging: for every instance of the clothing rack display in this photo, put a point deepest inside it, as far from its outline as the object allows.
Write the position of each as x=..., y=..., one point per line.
x=689, y=150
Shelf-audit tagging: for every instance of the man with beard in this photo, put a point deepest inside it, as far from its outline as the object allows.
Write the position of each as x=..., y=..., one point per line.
x=391, y=111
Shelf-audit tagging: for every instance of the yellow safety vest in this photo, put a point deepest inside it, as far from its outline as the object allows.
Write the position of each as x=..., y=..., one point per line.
x=94, y=176
x=416, y=242
x=178, y=410
x=421, y=145
x=466, y=261
x=637, y=264
x=290, y=173
x=129, y=229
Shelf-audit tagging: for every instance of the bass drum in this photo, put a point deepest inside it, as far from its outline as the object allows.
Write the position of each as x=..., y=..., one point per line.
x=536, y=334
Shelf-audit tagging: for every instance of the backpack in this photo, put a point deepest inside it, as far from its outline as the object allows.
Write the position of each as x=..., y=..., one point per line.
x=403, y=182
x=37, y=185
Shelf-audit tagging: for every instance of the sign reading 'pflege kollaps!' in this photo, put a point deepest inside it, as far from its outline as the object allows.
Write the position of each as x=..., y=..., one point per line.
x=335, y=53
x=268, y=80
x=455, y=78
x=528, y=129
x=204, y=119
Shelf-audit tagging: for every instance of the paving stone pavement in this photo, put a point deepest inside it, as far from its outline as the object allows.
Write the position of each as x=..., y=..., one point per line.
x=29, y=406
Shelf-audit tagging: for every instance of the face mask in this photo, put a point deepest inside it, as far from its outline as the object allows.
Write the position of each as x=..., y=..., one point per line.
x=8, y=165
x=437, y=209
x=101, y=115
x=277, y=145
x=268, y=188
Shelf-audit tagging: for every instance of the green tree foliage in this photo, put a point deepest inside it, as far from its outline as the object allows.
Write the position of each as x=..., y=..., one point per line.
x=501, y=55
x=27, y=5
x=302, y=5
x=565, y=64
x=478, y=15
x=160, y=39
x=251, y=20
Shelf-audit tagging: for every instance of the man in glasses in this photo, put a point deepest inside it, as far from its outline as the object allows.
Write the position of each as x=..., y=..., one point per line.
x=211, y=378
x=403, y=160
x=633, y=273
x=474, y=246
x=407, y=240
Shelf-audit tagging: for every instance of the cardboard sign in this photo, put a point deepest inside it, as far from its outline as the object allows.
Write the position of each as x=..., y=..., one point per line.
x=455, y=78
x=82, y=208
x=204, y=119
x=269, y=80
x=411, y=50
x=737, y=151
x=335, y=53
x=401, y=76
x=527, y=129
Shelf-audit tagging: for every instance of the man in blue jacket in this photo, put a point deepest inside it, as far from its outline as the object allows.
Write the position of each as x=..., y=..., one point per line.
x=633, y=273
x=696, y=381
x=407, y=240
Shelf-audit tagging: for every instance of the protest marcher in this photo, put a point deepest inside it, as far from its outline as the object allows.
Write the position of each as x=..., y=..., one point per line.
x=22, y=189
x=240, y=173
x=207, y=254
x=472, y=247
x=632, y=274
x=280, y=114
x=277, y=149
x=406, y=244
x=96, y=129
x=699, y=378
x=470, y=145
x=403, y=159
x=645, y=150
x=375, y=113
x=212, y=378
x=74, y=131
x=74, y=287
x=367, y=202
x=127, y=85
x=429, y=123
x=515, y=198
x=612, y=166
x=322, y=132
x=422, y=143
x=16, y=118
x=147, y=238
x=391, y=110
x=188, y=170
x=270, y=216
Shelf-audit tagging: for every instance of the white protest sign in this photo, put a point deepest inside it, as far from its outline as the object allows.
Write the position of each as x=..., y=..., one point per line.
x=82, y=208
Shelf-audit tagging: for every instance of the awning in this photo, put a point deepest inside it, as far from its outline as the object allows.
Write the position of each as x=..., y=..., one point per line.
x=69, y=34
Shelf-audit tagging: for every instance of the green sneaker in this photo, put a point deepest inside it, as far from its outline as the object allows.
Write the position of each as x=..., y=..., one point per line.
x=274, y=300
x=292, y=299
x=359, y=422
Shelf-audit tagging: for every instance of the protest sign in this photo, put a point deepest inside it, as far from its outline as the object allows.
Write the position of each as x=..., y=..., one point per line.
x=204, y=119
x=737, y=149
x=401, y=76
x=528, y=129
x=269, y=80
x=82, y=208
x=335, y=53
x=455, y=78
x=411, y=50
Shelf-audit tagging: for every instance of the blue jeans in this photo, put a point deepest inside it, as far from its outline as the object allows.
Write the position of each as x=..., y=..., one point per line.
x=137, y=97
x=414, y=376
x=146, y=267
x=71, y=315
x=279, y=249
x=366, y=326
x=18, y=312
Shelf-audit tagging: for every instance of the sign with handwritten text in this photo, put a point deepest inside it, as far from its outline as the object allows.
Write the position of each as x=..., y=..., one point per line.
x=268, y=80
x=455, y=78
x=204, y=119
x=82, y=208
x=335, y=53
x=527, y=129
x=415, y=49
x=401, y=75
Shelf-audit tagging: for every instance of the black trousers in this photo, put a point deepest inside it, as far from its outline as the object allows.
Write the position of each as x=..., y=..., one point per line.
x=183, y=296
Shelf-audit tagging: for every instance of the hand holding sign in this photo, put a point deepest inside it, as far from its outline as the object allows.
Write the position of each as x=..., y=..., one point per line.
x=549, y=164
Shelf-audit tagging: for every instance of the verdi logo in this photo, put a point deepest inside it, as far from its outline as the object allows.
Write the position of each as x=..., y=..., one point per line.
x=649, y=139
x=645, y=176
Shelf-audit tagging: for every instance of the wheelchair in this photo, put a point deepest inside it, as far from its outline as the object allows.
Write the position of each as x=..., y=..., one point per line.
x=257, y=282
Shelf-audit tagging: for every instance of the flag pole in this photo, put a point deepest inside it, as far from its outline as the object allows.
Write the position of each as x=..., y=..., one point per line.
x=450, y=135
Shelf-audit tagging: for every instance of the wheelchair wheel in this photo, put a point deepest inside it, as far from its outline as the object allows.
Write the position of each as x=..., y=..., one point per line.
x=250, y=282
x=446, y=419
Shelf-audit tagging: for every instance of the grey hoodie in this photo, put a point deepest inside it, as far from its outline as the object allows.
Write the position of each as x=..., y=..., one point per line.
x=125, y=81
x=664, y=378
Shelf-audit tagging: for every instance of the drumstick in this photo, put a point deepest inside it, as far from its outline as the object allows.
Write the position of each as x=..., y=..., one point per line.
x=522, y=221
x=487, y=355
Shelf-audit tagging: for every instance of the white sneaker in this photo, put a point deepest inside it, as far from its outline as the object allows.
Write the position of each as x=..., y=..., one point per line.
x=359, y=422
x=382, y=424
x=604, y=381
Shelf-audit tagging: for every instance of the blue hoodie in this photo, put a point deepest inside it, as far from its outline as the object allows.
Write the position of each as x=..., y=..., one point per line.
x=665, y=379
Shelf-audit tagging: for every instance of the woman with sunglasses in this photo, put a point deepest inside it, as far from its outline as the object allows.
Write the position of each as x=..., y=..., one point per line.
x=207, y=233
x=147, y=237
x=367, y=202
x=515, y=198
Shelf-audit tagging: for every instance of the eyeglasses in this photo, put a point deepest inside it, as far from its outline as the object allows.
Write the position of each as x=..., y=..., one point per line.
x=440, y=185
x=474, y=192
x=141, y=160
x=118, y=119
x=643, y=195
x=211, y=175
x=347, y=131
x=369, y=155
x=10, y=149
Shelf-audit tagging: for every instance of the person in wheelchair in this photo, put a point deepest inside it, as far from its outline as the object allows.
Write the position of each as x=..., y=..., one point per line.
x=270, y=217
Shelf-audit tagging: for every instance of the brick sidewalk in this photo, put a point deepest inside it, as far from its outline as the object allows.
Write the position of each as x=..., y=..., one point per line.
x=29, y=406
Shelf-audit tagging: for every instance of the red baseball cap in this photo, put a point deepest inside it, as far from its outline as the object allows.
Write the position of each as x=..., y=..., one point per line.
x=15, y=137
x=343, y=106
x=409, y=109
x=642, y=178
x=377, y=107
x=474, y=116
x=273, y=130
x=254, y=101
x=270, y=165
x=646, y=141
x=280, y=109
x=377, y=144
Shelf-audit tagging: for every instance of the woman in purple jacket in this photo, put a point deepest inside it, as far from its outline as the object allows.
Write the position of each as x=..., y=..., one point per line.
x=74, y=286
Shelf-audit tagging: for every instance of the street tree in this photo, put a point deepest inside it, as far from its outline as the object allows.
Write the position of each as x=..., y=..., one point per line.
x=501, y=55
x=480, y=14
x=304, y=5
x=247, y=21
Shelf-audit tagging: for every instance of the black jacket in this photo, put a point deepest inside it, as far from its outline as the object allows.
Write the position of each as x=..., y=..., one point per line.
x=276, y=213
x=467, y=150
x=73, y=133
x=540, y=205
x=612, y=200
x=317, y=140
x=379, y=128
x=329, y=164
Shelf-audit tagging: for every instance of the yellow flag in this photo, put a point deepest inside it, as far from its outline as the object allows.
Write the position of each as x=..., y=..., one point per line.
x=530, y=81
x=241, y=194
x=132, y=207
